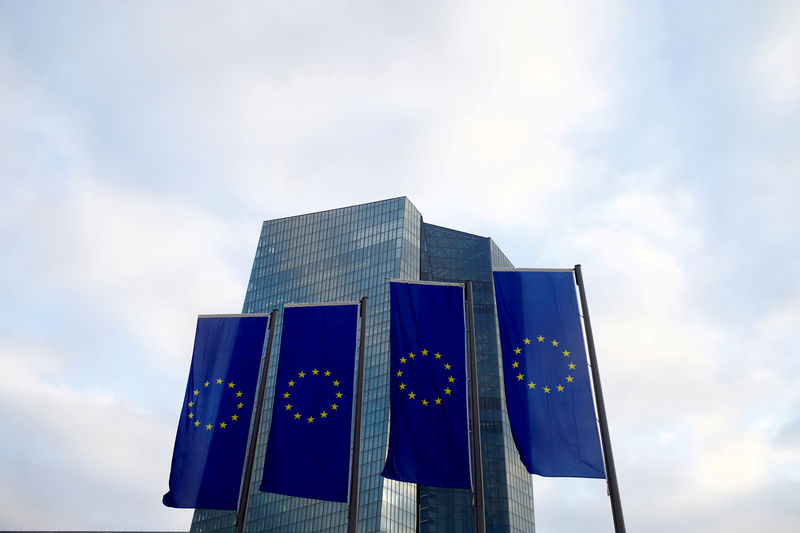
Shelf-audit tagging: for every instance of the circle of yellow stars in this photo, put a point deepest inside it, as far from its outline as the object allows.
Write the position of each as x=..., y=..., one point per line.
x=191, y=411
x=533, y=386
x=411, y=395
x=301, y=377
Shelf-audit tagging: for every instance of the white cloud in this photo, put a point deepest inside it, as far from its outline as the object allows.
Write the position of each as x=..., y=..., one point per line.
x=146, y=262
x=68, y=449
x=774, y=64
x=499, y=141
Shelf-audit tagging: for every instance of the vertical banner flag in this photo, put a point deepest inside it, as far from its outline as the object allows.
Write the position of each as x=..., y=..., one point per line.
x=429, y=432
x=308, y=451
x=214, y=425
x=549, y=399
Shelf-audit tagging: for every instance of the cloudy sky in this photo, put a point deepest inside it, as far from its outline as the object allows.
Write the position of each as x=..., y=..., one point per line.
x=655, y=143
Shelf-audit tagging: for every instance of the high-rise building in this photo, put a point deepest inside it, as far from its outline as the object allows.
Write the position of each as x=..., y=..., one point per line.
x=342, y=255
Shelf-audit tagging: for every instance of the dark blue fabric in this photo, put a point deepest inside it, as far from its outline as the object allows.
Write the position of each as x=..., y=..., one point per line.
x=429, y=435
x=210, y=447
x=548, y=395
x=308, y=452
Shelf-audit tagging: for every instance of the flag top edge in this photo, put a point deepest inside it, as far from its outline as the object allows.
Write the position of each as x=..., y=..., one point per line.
x=235, y=315
x=418, y=282
x=533, y=270
x=319, y=304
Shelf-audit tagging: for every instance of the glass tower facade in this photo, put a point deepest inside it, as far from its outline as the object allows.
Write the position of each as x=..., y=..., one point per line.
x=342, y=255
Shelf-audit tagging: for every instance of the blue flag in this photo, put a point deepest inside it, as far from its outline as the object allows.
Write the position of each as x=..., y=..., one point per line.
x=308, y=452
x=549, y=399
x=429, y=432
x=214, y=425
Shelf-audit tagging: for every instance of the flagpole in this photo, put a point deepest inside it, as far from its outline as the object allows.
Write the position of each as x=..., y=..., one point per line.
x=244, y=495
x=355, y=472
x=477, y=456
x=608, y=456
x=419, y=506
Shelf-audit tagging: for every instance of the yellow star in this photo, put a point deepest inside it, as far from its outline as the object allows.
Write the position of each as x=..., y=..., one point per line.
x=291, y=383
x=288, y=407
x=206, y=384
x=520, y=376
x=286, y=394
x=338, y=394
x=196, y=423
x=402, y=386
x=424, y=352
x=402, y=359
x=334, y=406
x=231, y=385
x=560, y=388
x=235, y=417
x=399, y=373
x=301, y=374
x=239, y=405
x=190, y=404
x=324, y=414
x=555, y=342
x=527, y=340
x=451, y=379
x=531, y=385
x=447, y=366
x=566, y=353
x=570, y=379
x=315, y=372
x=310, y=419
x=517, y=351
x=298, y=416
x=540, y=338
x=438, y=355
x=425, y=402
x=239, y=394
x=209, y=427
x=335, y=383
x=438, y=401
x=191, y=415
x=447, y=391
x=412, y=395
x=327, y=372
x=515, y=364
x=223, y=425
x=411, y=355
x=547, y=390
x=196, y=392
x=219, y=381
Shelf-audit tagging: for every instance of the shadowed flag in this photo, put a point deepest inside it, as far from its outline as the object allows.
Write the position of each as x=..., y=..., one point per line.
x=308, y=452
x=549, y=399
x=429, y=433
x=208, y=458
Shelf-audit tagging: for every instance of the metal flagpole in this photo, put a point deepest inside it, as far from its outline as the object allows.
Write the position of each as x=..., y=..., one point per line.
x=419, y=507
x=608, y=456
x=477, y=457
x=244, y=495
x=355, y=470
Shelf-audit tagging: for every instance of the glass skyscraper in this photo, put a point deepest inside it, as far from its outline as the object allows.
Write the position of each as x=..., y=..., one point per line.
x=342, y=255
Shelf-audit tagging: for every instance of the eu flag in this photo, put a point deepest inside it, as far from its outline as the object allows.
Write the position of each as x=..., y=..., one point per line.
x=549, y=399
x=214, y=424
x=429, y=433
x=308, y=451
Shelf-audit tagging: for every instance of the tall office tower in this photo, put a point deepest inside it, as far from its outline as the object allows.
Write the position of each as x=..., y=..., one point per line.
x=342, y=255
